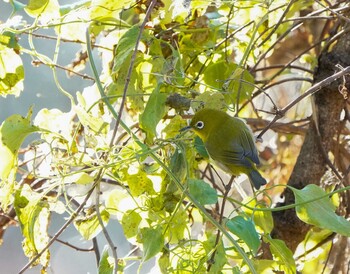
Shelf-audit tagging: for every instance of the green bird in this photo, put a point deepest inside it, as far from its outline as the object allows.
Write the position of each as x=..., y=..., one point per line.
x=229, y=142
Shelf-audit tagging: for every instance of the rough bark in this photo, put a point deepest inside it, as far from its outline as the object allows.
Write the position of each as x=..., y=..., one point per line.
x=319, y=141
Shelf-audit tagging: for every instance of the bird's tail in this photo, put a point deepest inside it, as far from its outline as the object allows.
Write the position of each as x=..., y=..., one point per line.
x=256, y=178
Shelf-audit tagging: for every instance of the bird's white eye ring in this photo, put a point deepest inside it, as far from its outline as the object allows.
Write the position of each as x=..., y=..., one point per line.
x=200, y=124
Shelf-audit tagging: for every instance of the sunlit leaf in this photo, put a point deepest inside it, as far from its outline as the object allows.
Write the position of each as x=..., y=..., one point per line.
x=262, y=219
x=245, y=230
x=130, y=223
x=202, y=192
x=320, y=212
x=164, y=262
x=13, y=131
x=80, y=178
x=177, y=225
x=11, y=72
x=96, y=124
x=152, y=240
x=139, y=183
x=104, y=266
x=234, y=81
x=89, y=226
x=282, y=255
x=215, y=100
x=107, y=9
x=125, y=47
x=45, y=10
x=33, y=216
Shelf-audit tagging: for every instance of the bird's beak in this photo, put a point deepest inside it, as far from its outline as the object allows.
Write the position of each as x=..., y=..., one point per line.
x=185, y=128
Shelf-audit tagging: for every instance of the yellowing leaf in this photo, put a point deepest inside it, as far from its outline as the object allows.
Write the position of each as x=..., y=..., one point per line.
x=139, y=183
x=80, y=178
x=11, y=72
x=90, y=226
x=130, y=223
x=235, y=81
x=282, y=255
x=262, y=219
x=33, y=216
x=44, y=10
x=13, y=131
x=96, y=124
x=104, y=266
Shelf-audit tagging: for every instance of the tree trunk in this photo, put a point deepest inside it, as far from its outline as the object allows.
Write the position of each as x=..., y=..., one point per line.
x=319, y=141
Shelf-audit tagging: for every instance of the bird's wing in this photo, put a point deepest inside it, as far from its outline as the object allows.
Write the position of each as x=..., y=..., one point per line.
x=247, y=142
x=234, y=155
x=241, y=151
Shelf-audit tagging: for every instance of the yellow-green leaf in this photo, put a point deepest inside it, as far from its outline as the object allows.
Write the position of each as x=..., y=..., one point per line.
x=320, y=212
x=89, y=226
x=152, y=240
x=11, y=72
x=13, y=131
x=33, y=216
x=130, y=223
x=282, y=255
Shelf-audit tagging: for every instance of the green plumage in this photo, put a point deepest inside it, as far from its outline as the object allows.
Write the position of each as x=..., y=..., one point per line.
x=229, y=142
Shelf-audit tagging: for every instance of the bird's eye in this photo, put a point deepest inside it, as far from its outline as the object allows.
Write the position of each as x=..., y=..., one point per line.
x=200, y=125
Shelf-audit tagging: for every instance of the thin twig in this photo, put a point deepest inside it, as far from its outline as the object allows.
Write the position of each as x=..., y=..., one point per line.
x=310, y=91
x=74, y=247
x=211, y=261
x=131, y=67
x=84, y=76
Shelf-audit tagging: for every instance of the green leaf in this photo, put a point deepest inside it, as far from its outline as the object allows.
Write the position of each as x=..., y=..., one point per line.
x=33, y=216
x=200, y=147
x=235, y=81
x=152, y=240
x=13, y=131
x=89, y=226
x=11, y=72
x=125, y=47
x=245, y=230
x=202, y=192
x=319, y=213
x=130, y=223
x=104, y=266
x=282, y=254
x=154, y=111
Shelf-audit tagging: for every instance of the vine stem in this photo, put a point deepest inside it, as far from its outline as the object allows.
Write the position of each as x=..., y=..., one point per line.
x=117, y=116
